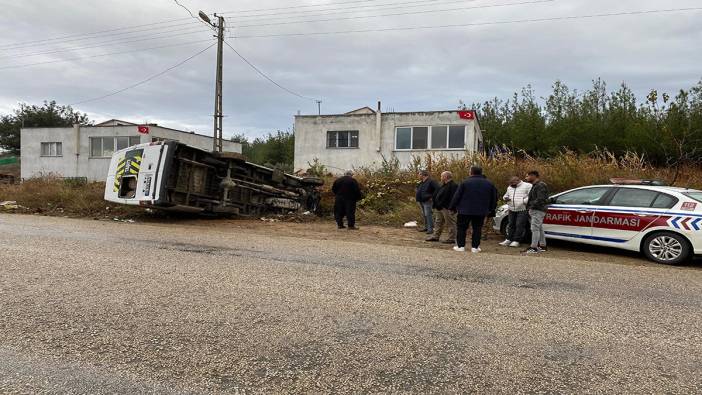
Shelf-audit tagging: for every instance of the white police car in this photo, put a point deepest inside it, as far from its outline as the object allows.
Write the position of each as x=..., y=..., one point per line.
x=664, y=223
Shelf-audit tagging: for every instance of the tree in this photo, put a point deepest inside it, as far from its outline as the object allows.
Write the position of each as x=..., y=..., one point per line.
x=668, y=131
x=49, y=114
x=273, y=150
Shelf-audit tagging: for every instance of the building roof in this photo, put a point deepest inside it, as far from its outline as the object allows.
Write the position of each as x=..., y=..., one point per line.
x=116, y=122
x=357, y=113
x=361, y=111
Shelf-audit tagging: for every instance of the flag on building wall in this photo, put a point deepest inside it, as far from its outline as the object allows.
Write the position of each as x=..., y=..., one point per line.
x=143, y=129
x=466, y=114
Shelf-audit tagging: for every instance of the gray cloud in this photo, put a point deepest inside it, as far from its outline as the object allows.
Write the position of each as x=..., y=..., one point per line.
x=407, y=70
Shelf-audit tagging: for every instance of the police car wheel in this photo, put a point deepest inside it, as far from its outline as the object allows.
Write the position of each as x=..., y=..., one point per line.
x=667, y=248
x=503, y=227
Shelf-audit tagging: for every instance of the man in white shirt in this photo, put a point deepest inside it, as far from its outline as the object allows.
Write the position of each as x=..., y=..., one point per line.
x=517, y=197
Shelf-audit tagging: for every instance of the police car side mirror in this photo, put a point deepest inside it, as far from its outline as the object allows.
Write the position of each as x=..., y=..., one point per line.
x=552, y=200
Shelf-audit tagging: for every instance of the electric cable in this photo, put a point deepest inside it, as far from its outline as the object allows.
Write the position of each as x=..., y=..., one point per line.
x=7, y=47
x=517, y=21
x=144, y=80
x=18, y=66
x=399, y=13
x=267, y=77
x=184, y=32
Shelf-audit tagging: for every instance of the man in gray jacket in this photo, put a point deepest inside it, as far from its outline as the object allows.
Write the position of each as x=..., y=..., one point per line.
x=516, y=197
x=537, y=205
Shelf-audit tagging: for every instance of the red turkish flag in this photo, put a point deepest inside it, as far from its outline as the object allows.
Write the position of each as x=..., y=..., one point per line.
x=466, y=115
x=143, y=129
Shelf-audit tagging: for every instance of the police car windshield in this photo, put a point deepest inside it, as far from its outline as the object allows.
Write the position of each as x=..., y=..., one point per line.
x=694, y=195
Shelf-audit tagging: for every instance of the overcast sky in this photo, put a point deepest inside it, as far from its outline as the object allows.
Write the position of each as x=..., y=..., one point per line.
x=408, y=70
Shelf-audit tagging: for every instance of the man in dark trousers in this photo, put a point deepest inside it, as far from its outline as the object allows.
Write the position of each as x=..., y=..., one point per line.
x=347, y=193
x=424, y=195
x=475, y=198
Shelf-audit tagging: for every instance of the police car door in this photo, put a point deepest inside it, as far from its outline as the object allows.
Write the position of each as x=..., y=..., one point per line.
x=629, y=211
x=570, y=215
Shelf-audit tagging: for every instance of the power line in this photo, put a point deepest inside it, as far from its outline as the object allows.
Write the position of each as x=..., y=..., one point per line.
x=144, y=80
x=17, y=66
x=294, y=7
x=344, y=10
x=560, y=18
x=192, y=15
x=399, y=13
x=186, y=9
x=157, y=36
x=127, y=35
x=267, y=77
x=101, y=32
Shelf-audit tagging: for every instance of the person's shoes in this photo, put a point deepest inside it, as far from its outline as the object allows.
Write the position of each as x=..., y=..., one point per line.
x=353, y=228
x=542, y=249
x=422, y=230
x=342, y=227
x=459, y=249
x=431, y=239
x=430, y=231
x=449, y=242
x=475, y=250
x=506, y=243
x=514, y=244
x=531, y=251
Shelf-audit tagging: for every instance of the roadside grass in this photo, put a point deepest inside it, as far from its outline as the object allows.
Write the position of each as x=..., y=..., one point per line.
x=389, y=189
x=54, y=196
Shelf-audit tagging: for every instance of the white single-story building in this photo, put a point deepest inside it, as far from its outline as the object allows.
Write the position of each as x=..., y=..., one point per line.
x=364, y=137
x=85, y=151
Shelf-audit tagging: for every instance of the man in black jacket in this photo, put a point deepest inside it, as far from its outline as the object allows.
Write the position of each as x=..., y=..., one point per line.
x=347, y=193
x=475, y=198
x=537, y=204
x=442, y=215
x=424, y=195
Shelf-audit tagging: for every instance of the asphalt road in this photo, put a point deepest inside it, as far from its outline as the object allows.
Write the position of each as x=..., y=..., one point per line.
x=103, y=307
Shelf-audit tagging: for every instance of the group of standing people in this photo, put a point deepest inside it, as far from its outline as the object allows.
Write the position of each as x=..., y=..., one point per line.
x=456, y=207
x=473, y=203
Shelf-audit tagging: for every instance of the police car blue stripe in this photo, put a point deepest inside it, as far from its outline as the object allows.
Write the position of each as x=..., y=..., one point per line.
x=674, y=222
x=599, y=208
x=695, y=224
x=574, y=236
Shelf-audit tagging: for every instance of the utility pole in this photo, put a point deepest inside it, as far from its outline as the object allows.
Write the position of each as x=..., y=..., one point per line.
x=218, y=88
x=319, y=107
x=217, y=129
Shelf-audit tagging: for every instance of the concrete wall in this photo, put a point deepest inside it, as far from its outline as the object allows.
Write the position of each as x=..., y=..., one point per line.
x=374, y=143
x=77, y=161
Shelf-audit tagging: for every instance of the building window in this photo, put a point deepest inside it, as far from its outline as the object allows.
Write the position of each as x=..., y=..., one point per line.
x=342, y=139
x=438, y=137
x=403, y=138
x=104, y=147
x=457, y=137
x=51, y=149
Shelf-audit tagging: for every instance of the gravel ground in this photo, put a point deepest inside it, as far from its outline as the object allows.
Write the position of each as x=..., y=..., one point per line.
x=104, y=307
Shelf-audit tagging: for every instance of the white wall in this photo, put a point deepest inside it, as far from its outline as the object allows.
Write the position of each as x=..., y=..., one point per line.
x=83, y=165
x=311, y=134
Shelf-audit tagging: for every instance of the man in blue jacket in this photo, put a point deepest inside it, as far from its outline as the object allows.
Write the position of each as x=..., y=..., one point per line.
x=475, y=198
